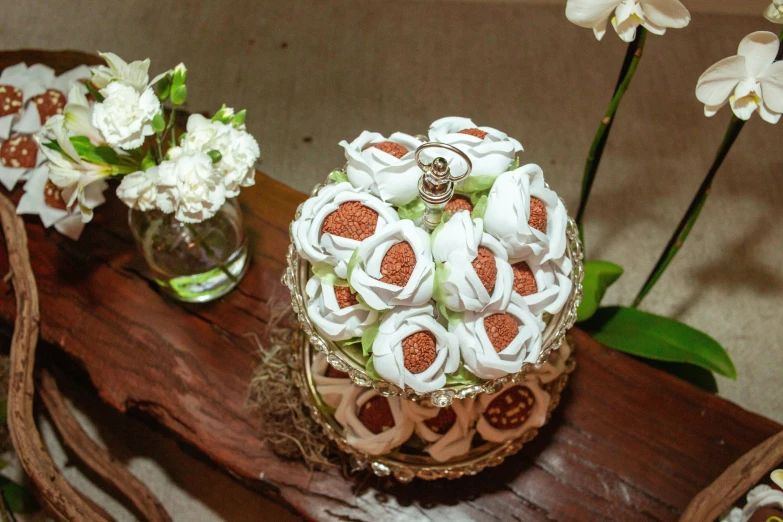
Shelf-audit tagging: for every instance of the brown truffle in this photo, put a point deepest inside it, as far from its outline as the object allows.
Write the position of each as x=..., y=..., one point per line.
x=443, y=421
x=418, y=351
x=458, y=203
x=19, y=152
x=334, y=373
x=352, y=220
x=389, y=147
x=344, y=297
x=10, y=100
x=53, y=196
x=486, y=268
x=49, y=103
x=765, y=513
x=501, y=329
x=537, y=214
x=376, y=415
x=511, y=408
x=398, y=264
x=474, y=132
x=524, y=280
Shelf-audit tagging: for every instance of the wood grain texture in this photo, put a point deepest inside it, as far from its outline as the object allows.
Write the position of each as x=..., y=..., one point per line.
x=628, y=442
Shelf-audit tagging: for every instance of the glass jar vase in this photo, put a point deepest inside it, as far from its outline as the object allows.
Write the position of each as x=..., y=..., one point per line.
x=193, y=262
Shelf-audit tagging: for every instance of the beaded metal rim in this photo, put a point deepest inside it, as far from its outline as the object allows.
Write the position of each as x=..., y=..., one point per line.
x=405, y=467
x=297, y=274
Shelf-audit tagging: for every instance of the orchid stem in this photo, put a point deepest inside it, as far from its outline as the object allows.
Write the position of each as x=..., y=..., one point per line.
x=630, y=63
x=689, y=219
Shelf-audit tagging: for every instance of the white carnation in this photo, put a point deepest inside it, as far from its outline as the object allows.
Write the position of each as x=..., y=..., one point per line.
x=139, y=190
x=389, y=354
x=335, y=323
x=188, y=186
x=125, y=115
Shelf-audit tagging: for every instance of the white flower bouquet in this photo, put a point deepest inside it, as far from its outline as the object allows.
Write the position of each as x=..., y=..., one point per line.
x=468, y=307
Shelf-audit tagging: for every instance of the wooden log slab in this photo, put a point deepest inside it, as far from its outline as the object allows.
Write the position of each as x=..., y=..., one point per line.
x=627, y=443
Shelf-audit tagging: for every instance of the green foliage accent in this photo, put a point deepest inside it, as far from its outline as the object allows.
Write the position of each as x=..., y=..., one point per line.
x=480, y=207
x=163, y=88
x=239, y=118
x=514, y=165
x=368, y=337
x=356, y=259
x=371, y=372
x=695, y=375
x=18, y=498
x=95, y=94
x=215, y=155
x=179, y=94
x=158, y=123
x=462, y=376
x=654, y=337
x=476, y=184
x=224, y=115
x=325, y=272
x=350, y=342
x=413, y=210
x=338, y=176
x=599, y=276
x=102, y=155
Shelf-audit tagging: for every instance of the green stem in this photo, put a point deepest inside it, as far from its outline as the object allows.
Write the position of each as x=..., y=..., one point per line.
x=211, y=253
x=689, y=219
x=630, y=63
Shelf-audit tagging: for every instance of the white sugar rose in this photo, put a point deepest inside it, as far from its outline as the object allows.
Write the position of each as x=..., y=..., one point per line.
x=497, y=344
x=335, y=311
x=491, y=151
x=555, y=364
x=394, y=267
x=473, y=272
x=333, y=223
x=413, y=349
x=189, y=187
x=332, y=385
x=373, y=424
x=125, y=115
x=139, y=190
x=542, y=287
x=525, y=216
x=448, y=431
x=513, y=411
x=385, y=167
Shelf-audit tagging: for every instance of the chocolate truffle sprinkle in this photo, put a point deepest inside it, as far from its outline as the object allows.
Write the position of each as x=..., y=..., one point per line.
x=486, y=268
x=398, y=264
x=458, y=203
x=344, y=297
x=524, y=280
x=376, y=415
x=352, y=220
x=501, y=329
x=537, y=214
x=49, y=103
x=53, y=196
x=418, y=351
x=474, y=132
x=10, y=100
x=19, y=152
x=511, y=408
x=389, y=147
x=443, y=421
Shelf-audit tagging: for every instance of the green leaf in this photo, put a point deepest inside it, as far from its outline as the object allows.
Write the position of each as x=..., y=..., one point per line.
x=102, y=155
x=654, y=337
x=338, y=176
x=480, y=208
x=325, y=272
x=356, y=259
x=441, y=274
x=462, y=376
x=18, y=498
x=515, y=164
x=350, y=342
x=371, y=372
x=413, y=210
x=695, y=375
x=599, y=276
x=368, y=337
x=476, y=184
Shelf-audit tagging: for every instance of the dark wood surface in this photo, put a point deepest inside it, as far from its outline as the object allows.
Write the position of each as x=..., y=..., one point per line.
x=627, y=443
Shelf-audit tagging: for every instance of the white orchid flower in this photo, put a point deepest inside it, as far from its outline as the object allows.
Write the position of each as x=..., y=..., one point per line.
x=125, y=116
x=332, y=385
x=464, y=253
x=525, y=216
x=189, y=187
x=134, y=74
x=393, y=267
x=373, y=424
x=627, y=15
x=491, y=151
x=750, y=81
x=77, y=117
x=761, y=496
x=513, y=411
x=321, y=239
x=384, y=167
x=497, y=344
x=413, y=349
x=336, y=312
x=542, y=287
x=774, y=12
x=448, y=431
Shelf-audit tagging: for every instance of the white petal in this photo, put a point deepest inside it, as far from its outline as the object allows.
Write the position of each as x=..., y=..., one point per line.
x=768, y=115
x=712, y=110
x=773, y=14
x=717, y=83
x=759, y=50
x=743, y=107
x=590, y=13
x=666, y=13
x=772, y=87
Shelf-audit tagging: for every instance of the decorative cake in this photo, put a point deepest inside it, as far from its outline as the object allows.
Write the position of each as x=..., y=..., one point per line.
x=441, y=273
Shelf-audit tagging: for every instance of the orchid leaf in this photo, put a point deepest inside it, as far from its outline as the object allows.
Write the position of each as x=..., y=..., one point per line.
x=599, y=276
x=659, y=338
